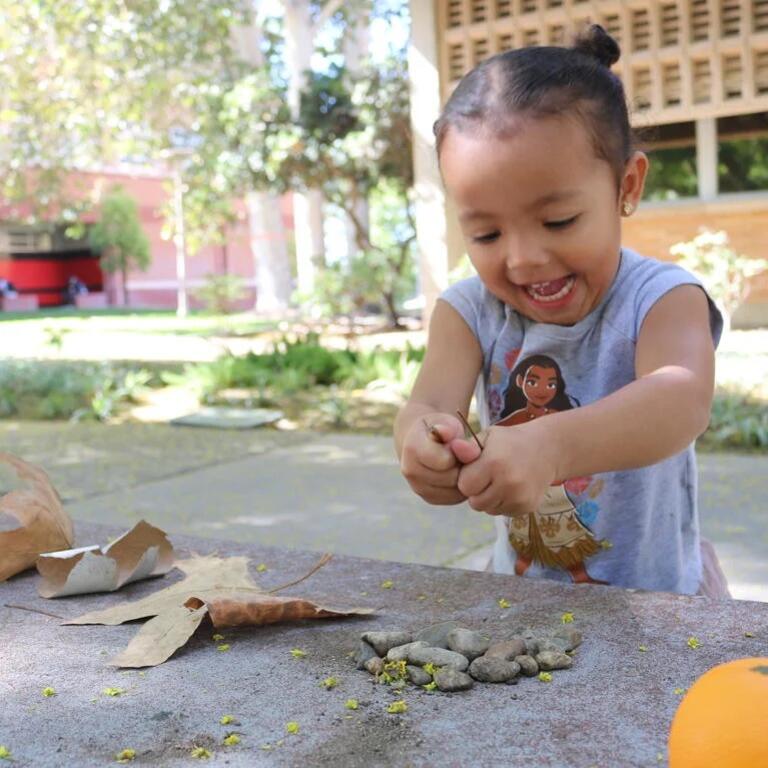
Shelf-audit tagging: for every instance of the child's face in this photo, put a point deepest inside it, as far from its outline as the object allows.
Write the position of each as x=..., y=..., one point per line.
x=540, y=213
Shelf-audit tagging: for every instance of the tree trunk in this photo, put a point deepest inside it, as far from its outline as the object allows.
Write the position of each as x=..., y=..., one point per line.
x=300, y=33
x=273, y=272
x=268, y=238
x=355, y=46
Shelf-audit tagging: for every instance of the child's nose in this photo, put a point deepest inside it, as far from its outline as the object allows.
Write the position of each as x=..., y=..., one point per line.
x=521, y=255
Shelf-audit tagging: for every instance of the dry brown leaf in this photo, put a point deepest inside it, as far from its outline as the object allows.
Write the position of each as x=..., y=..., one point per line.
x=45, y=526
x=142, y=552
x=244, y=609
x=221, y=587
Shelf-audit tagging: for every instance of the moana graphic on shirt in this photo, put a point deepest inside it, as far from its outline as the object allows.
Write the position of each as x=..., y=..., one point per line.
x=555, y=535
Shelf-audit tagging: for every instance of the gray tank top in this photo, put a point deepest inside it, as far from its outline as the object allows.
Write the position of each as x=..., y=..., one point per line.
x=636, y=528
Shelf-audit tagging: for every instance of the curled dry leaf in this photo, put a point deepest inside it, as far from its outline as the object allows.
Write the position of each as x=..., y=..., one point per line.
x=246, y=609
x=142, y=552
x=45, y=526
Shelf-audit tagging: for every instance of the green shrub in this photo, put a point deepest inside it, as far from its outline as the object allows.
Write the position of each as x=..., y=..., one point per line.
x=62, y=390
x=738, y=420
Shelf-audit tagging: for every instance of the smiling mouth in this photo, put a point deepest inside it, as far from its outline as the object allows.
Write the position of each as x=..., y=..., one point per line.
x=551, y=290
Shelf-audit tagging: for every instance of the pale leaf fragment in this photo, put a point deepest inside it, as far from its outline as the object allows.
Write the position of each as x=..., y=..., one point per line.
x=45, y=525
x=160, y=637
x=142, y=552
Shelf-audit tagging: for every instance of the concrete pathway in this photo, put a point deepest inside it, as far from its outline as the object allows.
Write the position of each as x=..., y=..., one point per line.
x=338, y=493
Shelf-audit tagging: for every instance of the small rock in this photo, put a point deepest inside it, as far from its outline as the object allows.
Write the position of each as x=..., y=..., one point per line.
x=417, y=675
x=551, y=644
x=507, y=649
x=549, y=660
x=363, y=653
x=572, y=638
x=468, y=643
x=451, y=679
x=400, y=652
x=440, y=657
x=375, y=665
x=436, y=635
x=492, y=669
x=531, y=640
x=528, y=665
x=383, y=641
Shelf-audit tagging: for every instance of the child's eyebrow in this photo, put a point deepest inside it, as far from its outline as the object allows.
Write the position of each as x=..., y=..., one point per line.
x=539, y=202
x=554, y=197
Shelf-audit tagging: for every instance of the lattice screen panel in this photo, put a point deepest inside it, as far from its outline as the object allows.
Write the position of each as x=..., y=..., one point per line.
x=681, y=59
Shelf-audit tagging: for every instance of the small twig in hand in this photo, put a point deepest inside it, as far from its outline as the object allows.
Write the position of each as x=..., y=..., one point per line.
x=323, y=561
x=433, y=431
x=471, y=431
x=34, y=610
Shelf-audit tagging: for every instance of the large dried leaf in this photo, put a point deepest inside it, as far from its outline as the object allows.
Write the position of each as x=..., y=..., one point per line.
x=204, y=576
x=45, y=526
x=219, y=587
x=142, y=552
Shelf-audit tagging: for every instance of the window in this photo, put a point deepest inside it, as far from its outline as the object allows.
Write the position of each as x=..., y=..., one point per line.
x=742, y=154
x=671, y=150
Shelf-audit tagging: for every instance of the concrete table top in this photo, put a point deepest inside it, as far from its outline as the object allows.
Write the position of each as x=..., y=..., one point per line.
x=612, y=708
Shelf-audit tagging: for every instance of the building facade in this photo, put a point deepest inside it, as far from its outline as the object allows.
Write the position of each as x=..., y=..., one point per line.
x=696, y=77
x=38, y=259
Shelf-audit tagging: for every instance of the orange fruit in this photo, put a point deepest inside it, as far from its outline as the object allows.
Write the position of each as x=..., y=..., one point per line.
x=723, y=719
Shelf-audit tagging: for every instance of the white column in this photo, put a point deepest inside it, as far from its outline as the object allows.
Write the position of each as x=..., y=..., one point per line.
x=429, y=201
x=706, y=157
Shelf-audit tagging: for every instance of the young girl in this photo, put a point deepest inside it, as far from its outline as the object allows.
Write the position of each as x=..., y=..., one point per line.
x=535, y=150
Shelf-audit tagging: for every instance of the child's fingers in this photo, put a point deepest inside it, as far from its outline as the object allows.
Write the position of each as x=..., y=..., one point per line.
x=445, y=430
x=465, y=451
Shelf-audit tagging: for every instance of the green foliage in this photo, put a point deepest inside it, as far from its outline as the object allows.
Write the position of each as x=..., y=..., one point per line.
x=293, y=366
x=220, y=293
x=724, y=272
x=67, y=390
x=118, y=235
x=671, y=174
x=738, y=420
x=743, y=165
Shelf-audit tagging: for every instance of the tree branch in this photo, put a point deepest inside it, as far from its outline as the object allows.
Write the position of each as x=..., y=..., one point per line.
x=325, y=13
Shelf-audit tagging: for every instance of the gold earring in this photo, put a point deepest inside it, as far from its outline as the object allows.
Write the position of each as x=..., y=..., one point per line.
x=627, y=208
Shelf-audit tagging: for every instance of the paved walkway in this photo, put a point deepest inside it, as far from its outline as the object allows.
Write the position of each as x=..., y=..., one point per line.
x=339, y=493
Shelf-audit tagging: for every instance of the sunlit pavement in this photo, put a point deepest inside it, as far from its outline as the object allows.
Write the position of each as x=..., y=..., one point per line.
x=337, y=493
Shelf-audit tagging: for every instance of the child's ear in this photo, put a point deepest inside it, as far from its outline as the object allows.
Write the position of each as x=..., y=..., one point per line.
x=632, y=182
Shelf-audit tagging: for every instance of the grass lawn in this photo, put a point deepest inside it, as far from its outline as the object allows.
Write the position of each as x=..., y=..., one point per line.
x=197, y=323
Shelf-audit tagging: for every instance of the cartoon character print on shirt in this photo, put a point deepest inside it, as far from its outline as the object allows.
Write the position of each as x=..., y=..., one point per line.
x=557, y=534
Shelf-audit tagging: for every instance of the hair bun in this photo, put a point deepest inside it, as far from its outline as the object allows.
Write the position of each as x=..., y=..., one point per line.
x=596, y=43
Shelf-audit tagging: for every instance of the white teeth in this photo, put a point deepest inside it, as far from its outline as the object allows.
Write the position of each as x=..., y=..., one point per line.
x=562, y=293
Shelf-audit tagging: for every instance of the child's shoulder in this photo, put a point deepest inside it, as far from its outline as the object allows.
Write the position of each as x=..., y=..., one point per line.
x=640, y=282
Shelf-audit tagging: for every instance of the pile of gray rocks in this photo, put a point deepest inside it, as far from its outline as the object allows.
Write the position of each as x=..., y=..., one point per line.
x=456, y=657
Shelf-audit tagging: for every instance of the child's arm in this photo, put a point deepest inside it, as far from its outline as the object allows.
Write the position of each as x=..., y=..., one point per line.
x=648, y=420
x=445, y=383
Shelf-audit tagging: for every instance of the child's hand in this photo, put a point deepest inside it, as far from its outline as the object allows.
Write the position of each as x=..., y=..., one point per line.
x=513, y=471
x=427, y=461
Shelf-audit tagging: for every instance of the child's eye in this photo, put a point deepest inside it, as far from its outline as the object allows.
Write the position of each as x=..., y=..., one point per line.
x=562, y=224
x=489, y=238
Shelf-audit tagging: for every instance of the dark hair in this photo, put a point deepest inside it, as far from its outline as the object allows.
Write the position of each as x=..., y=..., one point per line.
x=514, y=397
x=542, y=81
